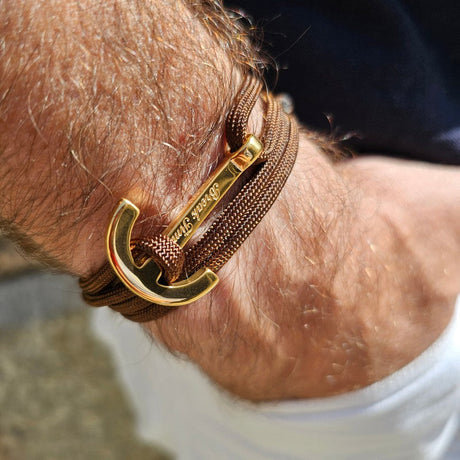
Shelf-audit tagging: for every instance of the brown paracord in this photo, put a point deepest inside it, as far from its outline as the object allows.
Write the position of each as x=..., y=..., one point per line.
x=231, y=227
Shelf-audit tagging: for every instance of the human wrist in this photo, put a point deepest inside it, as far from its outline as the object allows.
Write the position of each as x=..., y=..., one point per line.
x=324, y=297
x=251, y=318
x=409, y=246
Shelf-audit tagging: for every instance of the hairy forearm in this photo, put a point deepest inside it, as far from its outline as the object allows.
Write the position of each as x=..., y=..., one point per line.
x=101, y=101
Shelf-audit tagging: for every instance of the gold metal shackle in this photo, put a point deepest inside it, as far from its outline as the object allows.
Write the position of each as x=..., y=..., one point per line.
x=144, y=281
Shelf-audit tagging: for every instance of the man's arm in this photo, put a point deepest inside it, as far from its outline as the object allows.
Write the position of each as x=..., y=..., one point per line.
x=350, y=275
x=101, y=100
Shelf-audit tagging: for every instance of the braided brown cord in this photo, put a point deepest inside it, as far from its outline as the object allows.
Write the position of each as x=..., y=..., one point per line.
x=238, y=117
x=242, y=215
x=165, y=252
x=230, y=228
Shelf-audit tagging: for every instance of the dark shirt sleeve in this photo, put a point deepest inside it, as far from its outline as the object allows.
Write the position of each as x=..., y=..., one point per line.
x=383, y=72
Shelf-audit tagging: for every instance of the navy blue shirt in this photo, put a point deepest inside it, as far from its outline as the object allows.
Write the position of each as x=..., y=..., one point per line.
x=387, y=71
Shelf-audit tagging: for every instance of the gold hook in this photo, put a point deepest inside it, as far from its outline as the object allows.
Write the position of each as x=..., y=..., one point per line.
x=144, y=281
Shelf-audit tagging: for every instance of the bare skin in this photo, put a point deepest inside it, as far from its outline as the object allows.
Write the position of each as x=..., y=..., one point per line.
x=315, y=305
x=352, y=273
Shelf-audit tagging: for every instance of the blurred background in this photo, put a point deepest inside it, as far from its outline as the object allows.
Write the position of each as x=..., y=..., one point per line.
x=59, y=394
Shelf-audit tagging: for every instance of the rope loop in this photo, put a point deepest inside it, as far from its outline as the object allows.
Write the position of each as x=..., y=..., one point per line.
x=164, y=251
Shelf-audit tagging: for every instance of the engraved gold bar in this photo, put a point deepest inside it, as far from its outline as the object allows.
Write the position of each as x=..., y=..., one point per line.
x=212, y=191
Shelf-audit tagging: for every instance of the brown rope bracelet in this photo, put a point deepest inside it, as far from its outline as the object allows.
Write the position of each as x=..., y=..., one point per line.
x=229, y=229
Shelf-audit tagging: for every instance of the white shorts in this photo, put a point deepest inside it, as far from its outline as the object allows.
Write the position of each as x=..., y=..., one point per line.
x=412, y=414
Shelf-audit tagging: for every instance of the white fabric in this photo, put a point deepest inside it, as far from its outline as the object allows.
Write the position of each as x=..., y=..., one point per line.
x=413, y=414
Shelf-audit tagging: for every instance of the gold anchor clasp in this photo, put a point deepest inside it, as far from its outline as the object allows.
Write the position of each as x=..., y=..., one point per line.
x=145, y=280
